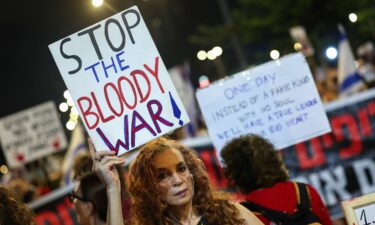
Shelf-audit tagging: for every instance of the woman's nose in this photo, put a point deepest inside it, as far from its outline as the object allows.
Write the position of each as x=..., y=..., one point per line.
x=176, y=179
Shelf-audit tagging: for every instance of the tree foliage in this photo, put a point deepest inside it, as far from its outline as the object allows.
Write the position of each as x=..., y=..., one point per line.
x=267, y=23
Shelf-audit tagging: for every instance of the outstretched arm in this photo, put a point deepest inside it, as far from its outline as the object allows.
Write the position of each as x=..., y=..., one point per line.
x=104, y=166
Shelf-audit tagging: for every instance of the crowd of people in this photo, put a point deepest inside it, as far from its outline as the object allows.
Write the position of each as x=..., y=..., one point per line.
x=168, y=184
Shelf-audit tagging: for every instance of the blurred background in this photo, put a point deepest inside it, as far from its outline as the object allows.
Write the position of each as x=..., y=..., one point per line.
x=200, y=41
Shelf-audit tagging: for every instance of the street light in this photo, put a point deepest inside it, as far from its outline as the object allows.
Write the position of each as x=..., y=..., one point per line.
x=274, y=54
x=97, y=3
x=353, y=17
x=213, y=55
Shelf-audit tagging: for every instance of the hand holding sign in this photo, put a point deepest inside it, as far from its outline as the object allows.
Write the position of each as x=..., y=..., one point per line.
x=104, y=163
x=119, y=82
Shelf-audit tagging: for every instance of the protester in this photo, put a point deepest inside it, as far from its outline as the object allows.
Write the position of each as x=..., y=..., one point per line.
x=89, y=200
x=168, y=185
x=253, y=165
x=13, y=210
x=82, y=172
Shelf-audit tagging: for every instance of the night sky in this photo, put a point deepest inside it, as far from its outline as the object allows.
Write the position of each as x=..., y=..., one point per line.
x=30, y=75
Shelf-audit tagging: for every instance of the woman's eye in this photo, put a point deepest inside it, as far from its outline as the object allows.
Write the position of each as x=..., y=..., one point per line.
x=162, y=176
x=182, y=169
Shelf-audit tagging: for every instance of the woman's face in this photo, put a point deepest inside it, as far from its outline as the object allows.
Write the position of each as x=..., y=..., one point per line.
x=174, y=179
x=80, y=207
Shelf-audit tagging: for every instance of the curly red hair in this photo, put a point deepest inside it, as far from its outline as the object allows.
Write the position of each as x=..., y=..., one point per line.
x=147, y=205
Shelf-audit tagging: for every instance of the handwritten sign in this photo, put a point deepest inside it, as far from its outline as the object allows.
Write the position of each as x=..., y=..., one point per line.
x=277, y=100
x=361, y=210
x=31, y=134
x=119, y=82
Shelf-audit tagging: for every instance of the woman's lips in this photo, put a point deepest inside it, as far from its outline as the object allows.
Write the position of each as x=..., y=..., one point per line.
x=180, y=193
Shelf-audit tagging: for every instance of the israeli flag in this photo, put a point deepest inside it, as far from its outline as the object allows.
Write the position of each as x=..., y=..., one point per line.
x=350, y=81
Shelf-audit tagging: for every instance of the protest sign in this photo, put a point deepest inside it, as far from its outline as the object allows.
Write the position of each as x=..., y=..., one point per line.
x=119, y=83
x=31, y=134
x=360, y=210
x=277, y=100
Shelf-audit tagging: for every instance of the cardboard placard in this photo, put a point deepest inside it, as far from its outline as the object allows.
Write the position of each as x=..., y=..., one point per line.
x=119, y=83
x=360, y=210
x=31, y=134
x=277, y=100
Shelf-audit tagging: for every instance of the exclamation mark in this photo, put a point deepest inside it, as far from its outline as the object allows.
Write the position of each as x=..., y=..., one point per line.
x=176, y=110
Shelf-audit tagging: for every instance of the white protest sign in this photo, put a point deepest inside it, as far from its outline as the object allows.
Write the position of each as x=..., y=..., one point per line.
x=119, y=83
x=31, y=134
x=360, y=210
x=277, y=100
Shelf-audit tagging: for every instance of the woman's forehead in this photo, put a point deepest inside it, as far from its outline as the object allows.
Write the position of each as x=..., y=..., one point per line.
x=167, y=158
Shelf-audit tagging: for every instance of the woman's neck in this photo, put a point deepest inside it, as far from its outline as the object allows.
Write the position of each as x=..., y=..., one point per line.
x=182, y=214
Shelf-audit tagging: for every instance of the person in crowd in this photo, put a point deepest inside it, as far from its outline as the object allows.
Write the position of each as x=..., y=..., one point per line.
x=168, y=185
x=82, y=165
x=82, y=168
x=89, y=200
x=258, y=171
x=13, y=210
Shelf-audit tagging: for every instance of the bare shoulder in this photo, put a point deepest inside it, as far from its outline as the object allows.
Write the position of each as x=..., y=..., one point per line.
x=249, y=217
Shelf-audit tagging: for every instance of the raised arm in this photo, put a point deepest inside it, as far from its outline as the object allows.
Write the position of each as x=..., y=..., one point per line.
x=104, y=166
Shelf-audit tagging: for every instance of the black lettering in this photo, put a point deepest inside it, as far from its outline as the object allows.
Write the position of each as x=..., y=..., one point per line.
x=66, y=56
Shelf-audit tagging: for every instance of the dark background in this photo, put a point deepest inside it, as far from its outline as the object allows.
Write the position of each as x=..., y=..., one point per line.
x=31, y=77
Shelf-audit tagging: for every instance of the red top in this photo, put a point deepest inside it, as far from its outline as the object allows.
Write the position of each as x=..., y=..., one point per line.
x=282, y=197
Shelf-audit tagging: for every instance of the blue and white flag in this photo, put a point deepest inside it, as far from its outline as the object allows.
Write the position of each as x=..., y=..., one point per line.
x=350, y=81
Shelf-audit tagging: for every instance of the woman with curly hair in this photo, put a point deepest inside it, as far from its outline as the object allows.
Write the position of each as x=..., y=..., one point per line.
x=257, y=169
x=169, y=185
x=13, y=210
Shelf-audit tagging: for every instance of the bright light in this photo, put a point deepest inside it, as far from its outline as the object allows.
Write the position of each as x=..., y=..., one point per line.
x=217, y=51
x=70, y=102
x=353, y=17
x=70, y=125
x=331, y=53
x=202, y=55
x=63, y=107
x=211, y=55
x=274, y=54
x=4, y=169
x=67, y=94
x=97, y=3
x=297, y=46
x=74, y=110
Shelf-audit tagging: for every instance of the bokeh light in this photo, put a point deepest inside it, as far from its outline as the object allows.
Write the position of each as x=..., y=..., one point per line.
x=331, y=53
x=274, y=54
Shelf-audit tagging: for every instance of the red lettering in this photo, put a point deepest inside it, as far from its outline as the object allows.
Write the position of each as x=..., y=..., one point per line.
x=64, y=214
x=143, y=74
x=353, y=136
x=213, y=168
x=327, y=140
x=87, y=112
x=122, y=93
x=155, y=72
x=317, y=159
x=156, y=116
x=136, y=128
x=47, y=217
x=364, y=122
x=103, y=119
x=109, y=102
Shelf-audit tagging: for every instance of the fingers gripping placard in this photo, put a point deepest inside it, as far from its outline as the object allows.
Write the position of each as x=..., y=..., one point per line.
x=119, y=82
